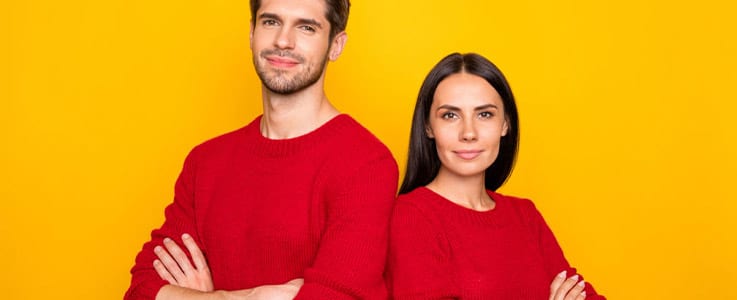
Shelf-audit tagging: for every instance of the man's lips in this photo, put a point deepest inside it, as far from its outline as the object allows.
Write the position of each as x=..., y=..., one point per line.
x=281, y=61
x=468, y=154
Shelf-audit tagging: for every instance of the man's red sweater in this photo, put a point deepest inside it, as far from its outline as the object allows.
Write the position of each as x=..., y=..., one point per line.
x=267, y=211
x=440, y=250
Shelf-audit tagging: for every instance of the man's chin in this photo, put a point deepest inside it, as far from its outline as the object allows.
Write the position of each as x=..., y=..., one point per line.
x=282, y=89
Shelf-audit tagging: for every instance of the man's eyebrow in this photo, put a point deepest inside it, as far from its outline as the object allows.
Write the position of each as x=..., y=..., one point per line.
x=312, y=22
x=304, y=21
x=269, y=16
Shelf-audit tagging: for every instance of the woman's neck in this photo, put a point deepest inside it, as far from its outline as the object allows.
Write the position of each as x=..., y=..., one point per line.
x=466, y=191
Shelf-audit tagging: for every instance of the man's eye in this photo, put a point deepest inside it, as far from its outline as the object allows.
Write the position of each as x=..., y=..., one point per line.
x=308, y=28
x=269, y=22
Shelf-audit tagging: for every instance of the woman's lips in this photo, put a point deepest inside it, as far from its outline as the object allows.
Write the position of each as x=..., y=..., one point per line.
x=467, y=154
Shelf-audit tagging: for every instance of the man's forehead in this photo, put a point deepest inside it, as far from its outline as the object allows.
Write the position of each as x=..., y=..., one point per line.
x=303, y=9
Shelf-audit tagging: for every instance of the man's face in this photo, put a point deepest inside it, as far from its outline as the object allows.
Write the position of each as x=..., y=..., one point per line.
x=290, y=44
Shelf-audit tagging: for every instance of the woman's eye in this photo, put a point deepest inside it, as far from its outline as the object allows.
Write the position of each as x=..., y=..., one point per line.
x=486, y=115
x=449, y=115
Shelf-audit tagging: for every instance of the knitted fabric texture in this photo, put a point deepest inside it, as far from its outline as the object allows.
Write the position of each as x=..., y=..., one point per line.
x=440, y=250
x=268, y=211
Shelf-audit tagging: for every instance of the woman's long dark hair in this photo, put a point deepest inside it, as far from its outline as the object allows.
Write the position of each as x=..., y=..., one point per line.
x=423, y=162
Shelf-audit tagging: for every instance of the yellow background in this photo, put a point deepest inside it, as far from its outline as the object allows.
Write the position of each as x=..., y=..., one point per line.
x=628, y=118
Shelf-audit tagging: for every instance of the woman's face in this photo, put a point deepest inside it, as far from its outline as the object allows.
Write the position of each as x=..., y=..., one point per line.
x=467, y=122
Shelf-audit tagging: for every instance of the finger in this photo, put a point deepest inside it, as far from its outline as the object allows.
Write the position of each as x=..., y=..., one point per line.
x=298, y=282
x=290, y=289
x=564, y=288
x=179, y=256
x=163, y=273
x=169, y=263
x=576, y=290
x=557, y=281
x=199, y=259
x=581, y=296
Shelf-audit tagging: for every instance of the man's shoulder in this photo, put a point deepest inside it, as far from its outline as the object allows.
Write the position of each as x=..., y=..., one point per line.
x=351, y=147
x=359, y=138
x=226, y=141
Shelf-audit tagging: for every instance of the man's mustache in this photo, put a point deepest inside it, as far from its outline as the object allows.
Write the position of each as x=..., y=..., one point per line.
x=282, y=53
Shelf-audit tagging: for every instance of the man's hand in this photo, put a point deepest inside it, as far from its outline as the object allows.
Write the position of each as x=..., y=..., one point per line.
x=567, y=289
x=174, y=266
x=285, y=291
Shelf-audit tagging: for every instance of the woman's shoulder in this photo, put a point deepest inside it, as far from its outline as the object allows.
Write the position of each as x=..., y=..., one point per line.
x=416, y=210
x=413, y=195
x=519, y=204
x=423, y=201
x=418, y=199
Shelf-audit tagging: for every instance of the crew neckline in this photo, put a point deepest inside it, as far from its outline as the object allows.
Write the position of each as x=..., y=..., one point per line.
x=263, y=146
x=463, y=212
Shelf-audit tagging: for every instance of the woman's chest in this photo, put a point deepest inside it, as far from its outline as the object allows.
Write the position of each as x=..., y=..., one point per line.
x=498, y=263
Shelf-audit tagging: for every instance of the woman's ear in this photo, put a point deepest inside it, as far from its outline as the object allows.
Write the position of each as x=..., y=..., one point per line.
x=505, y=127
x=429, y=133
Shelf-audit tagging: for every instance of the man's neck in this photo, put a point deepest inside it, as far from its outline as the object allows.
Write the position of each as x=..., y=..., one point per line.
x=293, y=115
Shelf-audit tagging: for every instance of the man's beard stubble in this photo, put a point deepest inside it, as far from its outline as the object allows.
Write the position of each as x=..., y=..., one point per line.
x=277, y=83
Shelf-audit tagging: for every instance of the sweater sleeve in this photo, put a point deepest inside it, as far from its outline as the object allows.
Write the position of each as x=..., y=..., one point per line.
x=555, y=261
x=145, y=282
x=350, y=260
x=417, y=264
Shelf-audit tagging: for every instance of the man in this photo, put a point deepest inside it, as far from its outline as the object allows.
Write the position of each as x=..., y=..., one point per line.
x=301, y=192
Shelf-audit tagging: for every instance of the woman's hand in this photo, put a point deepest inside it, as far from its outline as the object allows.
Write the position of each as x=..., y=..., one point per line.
x=567, y=289
x=174, y=266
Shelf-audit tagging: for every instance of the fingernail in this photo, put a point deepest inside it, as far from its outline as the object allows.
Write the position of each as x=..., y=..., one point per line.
x=581, y=283
x=583, y=294
x=156, y=262
x=167, y=240
x=185, y=236
x=157, y=249
x=574, y=277
x=562, y=274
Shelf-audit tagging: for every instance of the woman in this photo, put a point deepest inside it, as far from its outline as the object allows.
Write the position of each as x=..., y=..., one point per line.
x=452, y=236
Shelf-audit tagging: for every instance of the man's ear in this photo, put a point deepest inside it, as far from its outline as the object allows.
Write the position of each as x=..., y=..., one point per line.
x=250, y=36
x=337, y=45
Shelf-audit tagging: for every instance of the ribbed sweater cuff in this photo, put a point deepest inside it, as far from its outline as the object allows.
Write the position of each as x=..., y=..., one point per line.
x=310, y=291
x=146, y=290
